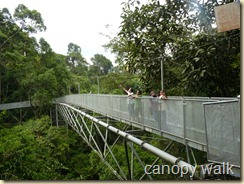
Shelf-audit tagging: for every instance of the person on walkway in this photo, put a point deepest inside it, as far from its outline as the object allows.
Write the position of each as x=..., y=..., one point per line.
x=138, y=106
x=161, y=114
x=162, y=95
x=153, y=104
x=130, y=102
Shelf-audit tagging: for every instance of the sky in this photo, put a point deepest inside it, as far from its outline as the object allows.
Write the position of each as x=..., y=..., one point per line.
x=75, y=21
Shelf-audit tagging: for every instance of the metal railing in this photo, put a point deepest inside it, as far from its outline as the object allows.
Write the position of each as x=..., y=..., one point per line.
x=222, y=120
x=179, y=118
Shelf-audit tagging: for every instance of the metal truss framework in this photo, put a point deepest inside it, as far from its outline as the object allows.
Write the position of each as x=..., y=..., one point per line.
x=88, y=127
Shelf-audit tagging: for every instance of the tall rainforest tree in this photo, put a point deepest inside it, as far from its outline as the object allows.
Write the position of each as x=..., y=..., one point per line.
x=45, y=79
x=75, y=60
x=17, y=48
x=181, y=35
x=101, y=65
x=29, y=70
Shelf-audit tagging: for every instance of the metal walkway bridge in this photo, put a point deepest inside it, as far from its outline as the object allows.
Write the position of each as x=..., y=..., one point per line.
x=211, y=125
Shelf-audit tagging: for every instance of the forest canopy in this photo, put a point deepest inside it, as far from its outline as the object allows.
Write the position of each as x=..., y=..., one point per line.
x=182, y=35
x=197, y=60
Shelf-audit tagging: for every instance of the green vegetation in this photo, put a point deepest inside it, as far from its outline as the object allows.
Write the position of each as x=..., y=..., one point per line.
x=37, y=150
x=197, y=60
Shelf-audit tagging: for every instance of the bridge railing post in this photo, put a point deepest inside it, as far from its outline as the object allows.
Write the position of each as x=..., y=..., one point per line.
x=184, y=104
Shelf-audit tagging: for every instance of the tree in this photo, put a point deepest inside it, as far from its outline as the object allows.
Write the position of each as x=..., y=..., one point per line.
x=75, y=60
x=16, y=46
x=152, y=33
x=30, y=20
x=38, y=74
x=101, y=65
x=45, y=78
x=212, y=69
x=110, y=83
x=146, y=36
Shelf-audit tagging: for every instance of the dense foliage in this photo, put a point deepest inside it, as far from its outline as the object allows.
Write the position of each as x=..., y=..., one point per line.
x=197, y=61
x=37, y=150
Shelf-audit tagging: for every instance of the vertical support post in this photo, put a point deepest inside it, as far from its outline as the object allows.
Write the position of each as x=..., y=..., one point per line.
x=106, y=138
x=51, y=117
x=160, y=119
x=127, y=159
x=98, y=87
x=162, y=74
x=132, y=159
x=56, y=113
x=142, y=113
x=184, y=130
x=67, y=127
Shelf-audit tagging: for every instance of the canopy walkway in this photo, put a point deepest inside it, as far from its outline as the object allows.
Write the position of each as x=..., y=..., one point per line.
x=211, y=125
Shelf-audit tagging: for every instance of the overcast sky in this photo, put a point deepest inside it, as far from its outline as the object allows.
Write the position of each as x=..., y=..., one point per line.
x=76, y=21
